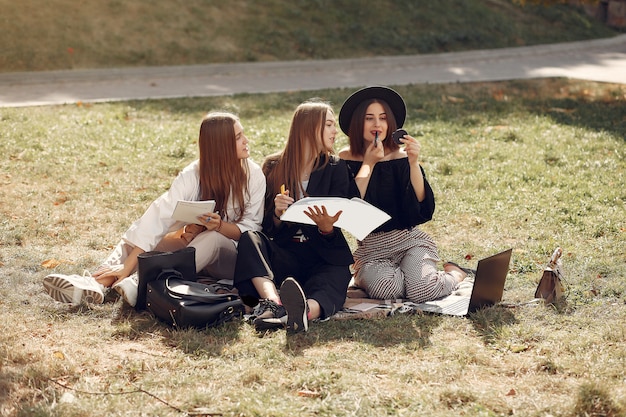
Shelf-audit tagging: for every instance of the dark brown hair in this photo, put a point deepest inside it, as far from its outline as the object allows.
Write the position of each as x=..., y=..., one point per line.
x=355, y=133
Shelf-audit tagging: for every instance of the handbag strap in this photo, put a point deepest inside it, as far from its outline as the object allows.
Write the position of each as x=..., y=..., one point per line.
x=195, y=291
x=169, y=273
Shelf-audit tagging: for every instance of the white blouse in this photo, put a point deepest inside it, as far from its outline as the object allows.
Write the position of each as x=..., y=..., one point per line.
x=157, y=221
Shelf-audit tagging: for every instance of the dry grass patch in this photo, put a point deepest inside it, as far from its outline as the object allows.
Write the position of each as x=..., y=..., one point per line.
x=507, y=172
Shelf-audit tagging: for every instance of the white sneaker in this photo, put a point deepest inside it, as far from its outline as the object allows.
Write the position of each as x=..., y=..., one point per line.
x=74, y=289
x=127, y=288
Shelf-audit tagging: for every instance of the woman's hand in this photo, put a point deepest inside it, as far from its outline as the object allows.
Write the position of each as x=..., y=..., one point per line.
x=374, y=153
x=211, y=221
x=281, y=202
x=190, y=232
x=324, y=221
x=412, y=148
x=111, y=277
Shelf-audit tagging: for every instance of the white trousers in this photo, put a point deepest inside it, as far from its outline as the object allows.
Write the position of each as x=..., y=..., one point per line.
x=215, y=253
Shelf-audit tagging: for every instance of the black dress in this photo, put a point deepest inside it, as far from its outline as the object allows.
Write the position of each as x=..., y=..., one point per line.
x=390, y=190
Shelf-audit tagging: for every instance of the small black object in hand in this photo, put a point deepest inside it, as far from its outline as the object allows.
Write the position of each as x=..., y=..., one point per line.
x=397, y=135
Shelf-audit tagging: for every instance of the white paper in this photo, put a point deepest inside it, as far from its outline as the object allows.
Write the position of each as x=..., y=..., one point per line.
x=188, y=211
x=359, y=217
x=364, y=306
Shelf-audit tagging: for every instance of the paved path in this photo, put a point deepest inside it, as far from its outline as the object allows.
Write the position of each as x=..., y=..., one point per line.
x=597, y=60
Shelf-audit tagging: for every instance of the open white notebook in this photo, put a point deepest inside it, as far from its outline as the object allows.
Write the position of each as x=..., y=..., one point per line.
x=359, y=217
x=188, y=211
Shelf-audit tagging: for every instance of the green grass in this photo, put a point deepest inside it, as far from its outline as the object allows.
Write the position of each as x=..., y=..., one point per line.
x=525, y=164
x=62, y=34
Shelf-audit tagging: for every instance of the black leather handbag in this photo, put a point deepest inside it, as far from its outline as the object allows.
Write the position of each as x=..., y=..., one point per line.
x=183, y=303
x=151, y=265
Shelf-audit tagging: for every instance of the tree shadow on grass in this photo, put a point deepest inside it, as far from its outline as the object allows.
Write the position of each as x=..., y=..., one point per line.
x=209, y=341
x=412, y=330
x=586, y=104
x=599, y=116
x=8, y=383
x=589, y=105
x=488, y=322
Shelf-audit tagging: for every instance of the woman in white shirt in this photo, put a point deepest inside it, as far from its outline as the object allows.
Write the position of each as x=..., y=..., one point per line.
x=223, y=173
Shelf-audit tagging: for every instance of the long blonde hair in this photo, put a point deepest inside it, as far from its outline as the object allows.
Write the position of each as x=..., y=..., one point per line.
x=304, y=140
x=222, y=173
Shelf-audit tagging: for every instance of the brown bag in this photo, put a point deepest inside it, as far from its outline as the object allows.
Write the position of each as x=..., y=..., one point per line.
x=550, y=286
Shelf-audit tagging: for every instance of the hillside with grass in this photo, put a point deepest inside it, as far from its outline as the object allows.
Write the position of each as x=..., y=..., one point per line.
x=529, y=165
x=69, y=34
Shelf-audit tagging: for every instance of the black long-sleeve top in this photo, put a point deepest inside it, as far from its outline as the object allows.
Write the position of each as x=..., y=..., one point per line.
x=331, y=181
x=390, y=190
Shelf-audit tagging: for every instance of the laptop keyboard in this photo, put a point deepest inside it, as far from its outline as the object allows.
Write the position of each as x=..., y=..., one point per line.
x=452, y=304
x=459, y=307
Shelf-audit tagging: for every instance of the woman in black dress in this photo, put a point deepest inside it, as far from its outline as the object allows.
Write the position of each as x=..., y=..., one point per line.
x=309, y=263
x=397, y=260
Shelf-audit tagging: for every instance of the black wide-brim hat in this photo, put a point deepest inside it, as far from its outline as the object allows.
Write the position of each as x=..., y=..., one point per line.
x=391, y=97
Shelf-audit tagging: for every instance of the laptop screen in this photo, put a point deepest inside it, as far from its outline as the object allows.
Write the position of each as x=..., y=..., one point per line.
x=490, y=277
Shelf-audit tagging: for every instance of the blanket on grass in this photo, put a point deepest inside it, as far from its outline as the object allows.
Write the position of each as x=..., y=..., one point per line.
x=359, y=305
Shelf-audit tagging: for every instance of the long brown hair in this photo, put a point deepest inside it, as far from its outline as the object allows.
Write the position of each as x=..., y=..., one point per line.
x=304, y=140
x=356, y=134
x=221, y=172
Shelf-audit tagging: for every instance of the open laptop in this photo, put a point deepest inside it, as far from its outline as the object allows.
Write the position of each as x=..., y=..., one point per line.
x=487, y=289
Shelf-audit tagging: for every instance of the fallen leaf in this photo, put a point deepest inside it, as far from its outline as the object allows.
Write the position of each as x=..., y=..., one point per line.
x=61, y=199
x=511, y=392
x=489, y=129
x=309, y=394
x=499, y=95
x=560, y=110
x=59, y=355
x=453, y=99
x=17, y=157
x=519, y=348
x=50, y=263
